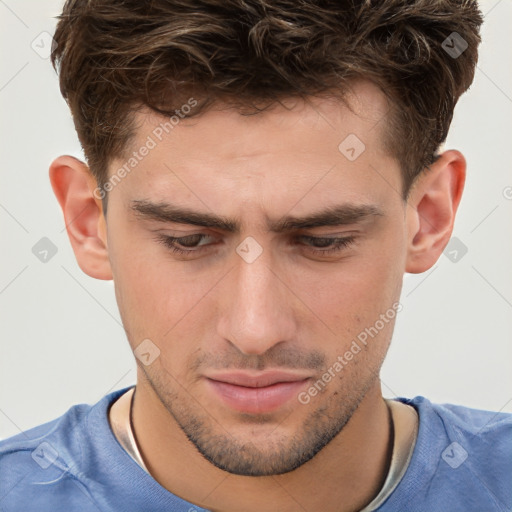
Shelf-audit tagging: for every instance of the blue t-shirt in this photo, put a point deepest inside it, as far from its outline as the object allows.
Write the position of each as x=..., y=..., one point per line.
x=462, y=461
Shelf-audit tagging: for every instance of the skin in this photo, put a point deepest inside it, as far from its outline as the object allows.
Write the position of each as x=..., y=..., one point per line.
x=291, y=308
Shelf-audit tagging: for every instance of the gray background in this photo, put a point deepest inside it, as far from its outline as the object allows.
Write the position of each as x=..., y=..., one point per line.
x=62, y=341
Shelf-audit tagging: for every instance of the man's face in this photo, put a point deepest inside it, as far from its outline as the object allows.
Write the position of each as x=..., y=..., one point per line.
x=234, y=306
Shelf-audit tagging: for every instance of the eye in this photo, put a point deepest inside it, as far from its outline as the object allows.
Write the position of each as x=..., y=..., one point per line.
x=189, y=242
x=192, y=244
x=327, y=245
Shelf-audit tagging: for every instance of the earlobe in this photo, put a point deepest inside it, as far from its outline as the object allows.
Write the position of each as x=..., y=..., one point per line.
x=431, y=210
x=73, y=185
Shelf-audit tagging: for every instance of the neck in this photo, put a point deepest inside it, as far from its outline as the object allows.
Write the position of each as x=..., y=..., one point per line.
x=345, y=475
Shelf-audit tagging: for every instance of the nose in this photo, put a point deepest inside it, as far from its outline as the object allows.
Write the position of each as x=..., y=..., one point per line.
x=257, y=312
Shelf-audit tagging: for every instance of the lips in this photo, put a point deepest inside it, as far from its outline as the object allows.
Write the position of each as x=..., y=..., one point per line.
x=256, y=393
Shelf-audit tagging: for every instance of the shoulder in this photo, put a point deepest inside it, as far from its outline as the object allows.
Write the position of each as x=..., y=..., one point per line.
x=473, y=428
x=39, y=446
x=462, y=459
x=461, y=418
x=43, y=464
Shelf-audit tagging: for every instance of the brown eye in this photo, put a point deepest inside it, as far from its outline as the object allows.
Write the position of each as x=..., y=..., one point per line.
x=327, y=245
x=190, y=244
x=189, y=241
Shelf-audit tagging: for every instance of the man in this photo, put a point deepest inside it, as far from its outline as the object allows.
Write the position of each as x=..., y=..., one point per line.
x=259, y=177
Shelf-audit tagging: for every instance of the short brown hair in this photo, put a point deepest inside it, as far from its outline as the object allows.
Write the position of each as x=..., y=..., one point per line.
x=115, y=56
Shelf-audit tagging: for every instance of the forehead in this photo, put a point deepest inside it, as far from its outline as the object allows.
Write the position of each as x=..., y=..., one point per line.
x=286, y=148
x=363, y=108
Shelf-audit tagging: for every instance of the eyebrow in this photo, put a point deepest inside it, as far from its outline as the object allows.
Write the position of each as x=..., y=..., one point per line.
x=331, y=216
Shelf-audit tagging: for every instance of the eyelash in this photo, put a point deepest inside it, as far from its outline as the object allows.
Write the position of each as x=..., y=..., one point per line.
x=339, y=244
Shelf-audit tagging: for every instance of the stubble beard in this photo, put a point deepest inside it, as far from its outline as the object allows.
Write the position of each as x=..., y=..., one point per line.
x=280, y=454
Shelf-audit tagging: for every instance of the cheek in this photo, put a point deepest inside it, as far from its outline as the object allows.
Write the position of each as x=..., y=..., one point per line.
x=358, y=287
x=150, y=294
x=160, y=299
x=348, y=300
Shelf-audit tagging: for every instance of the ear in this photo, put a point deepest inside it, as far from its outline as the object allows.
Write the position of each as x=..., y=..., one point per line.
x=74, y=186
x=432, y=206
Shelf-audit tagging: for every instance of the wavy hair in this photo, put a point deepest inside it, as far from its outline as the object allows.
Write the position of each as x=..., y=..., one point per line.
x=116, y=56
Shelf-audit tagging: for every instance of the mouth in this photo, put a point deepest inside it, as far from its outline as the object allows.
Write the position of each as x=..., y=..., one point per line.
x=256, y=393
